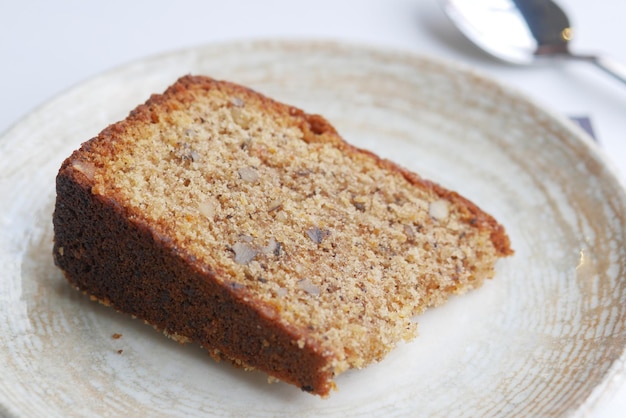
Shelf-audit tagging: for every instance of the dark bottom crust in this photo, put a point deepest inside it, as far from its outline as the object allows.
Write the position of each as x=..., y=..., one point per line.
x=125, y=266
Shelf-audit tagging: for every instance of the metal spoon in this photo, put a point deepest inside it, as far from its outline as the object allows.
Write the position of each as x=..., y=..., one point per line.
x=522, y=31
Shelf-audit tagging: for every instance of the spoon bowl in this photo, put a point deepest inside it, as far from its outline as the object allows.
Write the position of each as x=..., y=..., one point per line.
x=522, y=31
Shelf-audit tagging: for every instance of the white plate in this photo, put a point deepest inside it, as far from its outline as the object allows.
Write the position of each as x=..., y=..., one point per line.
x=547, y=336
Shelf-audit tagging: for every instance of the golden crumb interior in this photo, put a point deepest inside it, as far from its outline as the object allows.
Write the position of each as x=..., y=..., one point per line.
x=338, y=244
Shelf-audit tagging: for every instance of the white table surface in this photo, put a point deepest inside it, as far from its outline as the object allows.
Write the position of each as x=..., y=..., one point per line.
x=47, y=47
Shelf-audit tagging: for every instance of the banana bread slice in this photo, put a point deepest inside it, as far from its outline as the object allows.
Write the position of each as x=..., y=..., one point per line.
x=222, y=217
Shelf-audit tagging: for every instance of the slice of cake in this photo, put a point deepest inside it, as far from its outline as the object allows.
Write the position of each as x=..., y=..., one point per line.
x=222, y=217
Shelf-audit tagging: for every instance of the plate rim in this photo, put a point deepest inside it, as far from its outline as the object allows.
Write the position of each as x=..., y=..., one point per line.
x=615, y=376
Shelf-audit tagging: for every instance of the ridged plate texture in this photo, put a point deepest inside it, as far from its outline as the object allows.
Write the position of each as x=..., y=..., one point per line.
x=545, y=337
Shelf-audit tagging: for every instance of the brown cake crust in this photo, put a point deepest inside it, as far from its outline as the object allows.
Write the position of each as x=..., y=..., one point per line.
x=125, y=265
x=109, y=251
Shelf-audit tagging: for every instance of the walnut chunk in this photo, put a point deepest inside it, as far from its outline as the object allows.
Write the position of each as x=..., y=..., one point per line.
x=244, y=252
x=185, y=153
x=85, y=167
x=241, y=117
x=209, y=207
x=438, y=209
x=317, y=235
x=309, y=287
x=274, y=205
x=273, y=247
x=237, y=101
x=409, y=232
x=248, y=174
x=359, y=203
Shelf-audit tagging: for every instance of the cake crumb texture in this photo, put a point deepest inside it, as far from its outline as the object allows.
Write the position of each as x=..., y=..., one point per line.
x=225, y=218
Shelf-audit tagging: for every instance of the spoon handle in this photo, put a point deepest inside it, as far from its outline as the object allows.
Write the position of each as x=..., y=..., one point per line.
x=608, y=65
x=612, y=67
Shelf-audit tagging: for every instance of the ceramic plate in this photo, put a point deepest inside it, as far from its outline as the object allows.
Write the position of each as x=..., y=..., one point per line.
x=547, y=336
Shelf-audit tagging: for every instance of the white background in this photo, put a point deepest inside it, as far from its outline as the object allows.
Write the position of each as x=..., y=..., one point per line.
x=47, y=47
